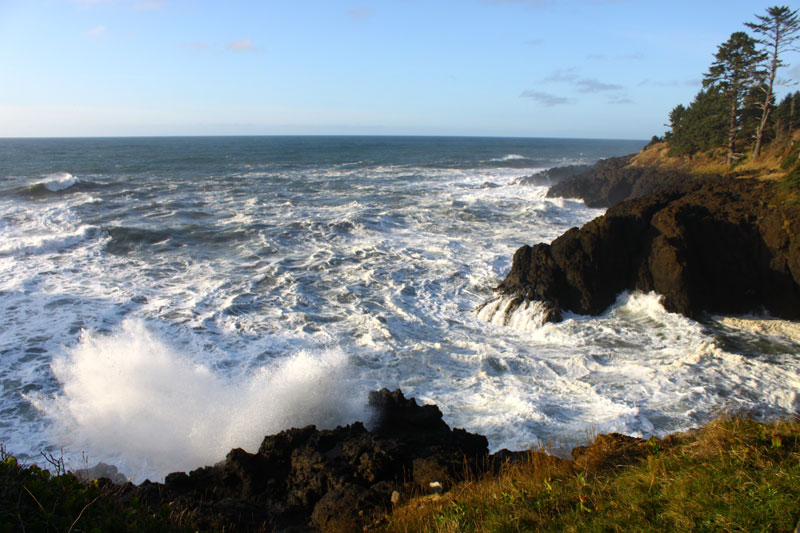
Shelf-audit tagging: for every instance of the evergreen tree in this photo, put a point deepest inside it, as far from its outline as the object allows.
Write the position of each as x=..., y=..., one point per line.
x=786, y=116
x=734, y=72
x=778, y=31
x=699, y=127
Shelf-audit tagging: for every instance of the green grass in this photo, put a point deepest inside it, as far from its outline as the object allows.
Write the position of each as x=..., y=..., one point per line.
x=733, y=475
x=34, y=500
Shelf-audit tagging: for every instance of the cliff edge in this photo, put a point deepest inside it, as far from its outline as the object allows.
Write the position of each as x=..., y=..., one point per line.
x=708, y=244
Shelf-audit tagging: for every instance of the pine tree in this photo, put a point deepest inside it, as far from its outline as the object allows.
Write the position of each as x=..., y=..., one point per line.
x=734, y=72
x=778, y=32
x=786, y=116
x=700, y=126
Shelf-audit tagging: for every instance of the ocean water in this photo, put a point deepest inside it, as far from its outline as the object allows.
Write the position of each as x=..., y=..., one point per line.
x=164, y=300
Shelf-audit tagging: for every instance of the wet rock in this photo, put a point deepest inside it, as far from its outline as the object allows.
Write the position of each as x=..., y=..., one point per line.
x=329, y=480
x=342, y=509
x=610, y=181
x=551, y=176
x=708, y=246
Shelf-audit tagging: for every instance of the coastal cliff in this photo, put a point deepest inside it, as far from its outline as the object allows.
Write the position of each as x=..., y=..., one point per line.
x=707, y=244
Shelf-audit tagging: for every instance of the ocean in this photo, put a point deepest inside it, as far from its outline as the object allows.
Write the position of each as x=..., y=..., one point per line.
x=167, y=299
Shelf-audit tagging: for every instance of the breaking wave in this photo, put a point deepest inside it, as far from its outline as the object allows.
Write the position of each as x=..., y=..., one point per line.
x=130, y=399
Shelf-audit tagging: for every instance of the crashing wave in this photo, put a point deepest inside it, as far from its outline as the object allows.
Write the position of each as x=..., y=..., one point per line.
x=518, y=312
x=59, y=181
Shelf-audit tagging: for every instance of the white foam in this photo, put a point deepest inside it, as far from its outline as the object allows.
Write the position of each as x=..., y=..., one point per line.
x=390, y=270
x=59, y=181
x=772, y=327
x=529, y=315
x=130, y=399
x=509, y=157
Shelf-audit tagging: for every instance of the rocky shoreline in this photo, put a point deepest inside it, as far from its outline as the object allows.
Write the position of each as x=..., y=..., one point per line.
x=343, y=479
x=349, y=478
x=707, y=244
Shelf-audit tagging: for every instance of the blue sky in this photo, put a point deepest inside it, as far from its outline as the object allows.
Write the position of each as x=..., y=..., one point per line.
x=538, y=68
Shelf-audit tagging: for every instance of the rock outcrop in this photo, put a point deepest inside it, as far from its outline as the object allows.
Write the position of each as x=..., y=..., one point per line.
x=551, y=176
x=610, y=181
x=708, y=245
x=328, y=480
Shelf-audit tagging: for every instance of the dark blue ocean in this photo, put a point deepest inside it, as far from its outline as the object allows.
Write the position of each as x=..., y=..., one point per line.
x=166, y=299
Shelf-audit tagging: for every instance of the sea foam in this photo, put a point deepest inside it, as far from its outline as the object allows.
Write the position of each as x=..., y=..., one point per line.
x=527, y=315
x=130, y=399
x=59, y=181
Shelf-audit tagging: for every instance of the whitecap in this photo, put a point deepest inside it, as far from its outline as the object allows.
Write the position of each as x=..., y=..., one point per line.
x=509, y=157
x=59, y=181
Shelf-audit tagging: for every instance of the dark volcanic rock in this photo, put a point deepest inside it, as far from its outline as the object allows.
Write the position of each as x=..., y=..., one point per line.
x=330, y=480
x=710, y=245
x=611, y=181
x=551, y=176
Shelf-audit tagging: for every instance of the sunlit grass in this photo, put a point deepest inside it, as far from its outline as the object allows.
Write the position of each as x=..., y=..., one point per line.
x=733, y=475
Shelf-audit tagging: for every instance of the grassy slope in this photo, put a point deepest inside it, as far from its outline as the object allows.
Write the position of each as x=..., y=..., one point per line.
x=776, y=163
x=732, y=475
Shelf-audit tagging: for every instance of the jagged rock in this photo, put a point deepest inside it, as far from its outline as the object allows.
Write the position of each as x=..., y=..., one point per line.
x=713, y=245
x=101, y=471
x=330, y=480
x=551, y=176
x=610, y=181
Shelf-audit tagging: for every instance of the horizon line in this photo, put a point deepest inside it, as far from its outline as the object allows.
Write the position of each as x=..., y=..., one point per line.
x=232, y=135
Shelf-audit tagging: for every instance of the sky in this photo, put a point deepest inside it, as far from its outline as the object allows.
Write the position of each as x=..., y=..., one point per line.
x=521, y=68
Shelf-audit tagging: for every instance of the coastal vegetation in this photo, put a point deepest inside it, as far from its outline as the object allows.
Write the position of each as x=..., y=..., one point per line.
x=734, y=474
x=34, y=499
x=735, y=115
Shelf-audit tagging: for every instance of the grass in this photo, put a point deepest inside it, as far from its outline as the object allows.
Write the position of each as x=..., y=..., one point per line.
x=33, y=499
x=771, y=165
x=734, y=474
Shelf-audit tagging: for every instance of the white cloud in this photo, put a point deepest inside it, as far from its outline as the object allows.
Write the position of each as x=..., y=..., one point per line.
x=590, y=85
x=546, y=99
x=563, y=74
x=582, y=85
x=242, y=45
x=619, y=99
x=97, y=32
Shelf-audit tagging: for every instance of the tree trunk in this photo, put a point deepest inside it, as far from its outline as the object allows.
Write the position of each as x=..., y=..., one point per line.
x=767, y=99
x=732, y=134
x=762, y=125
